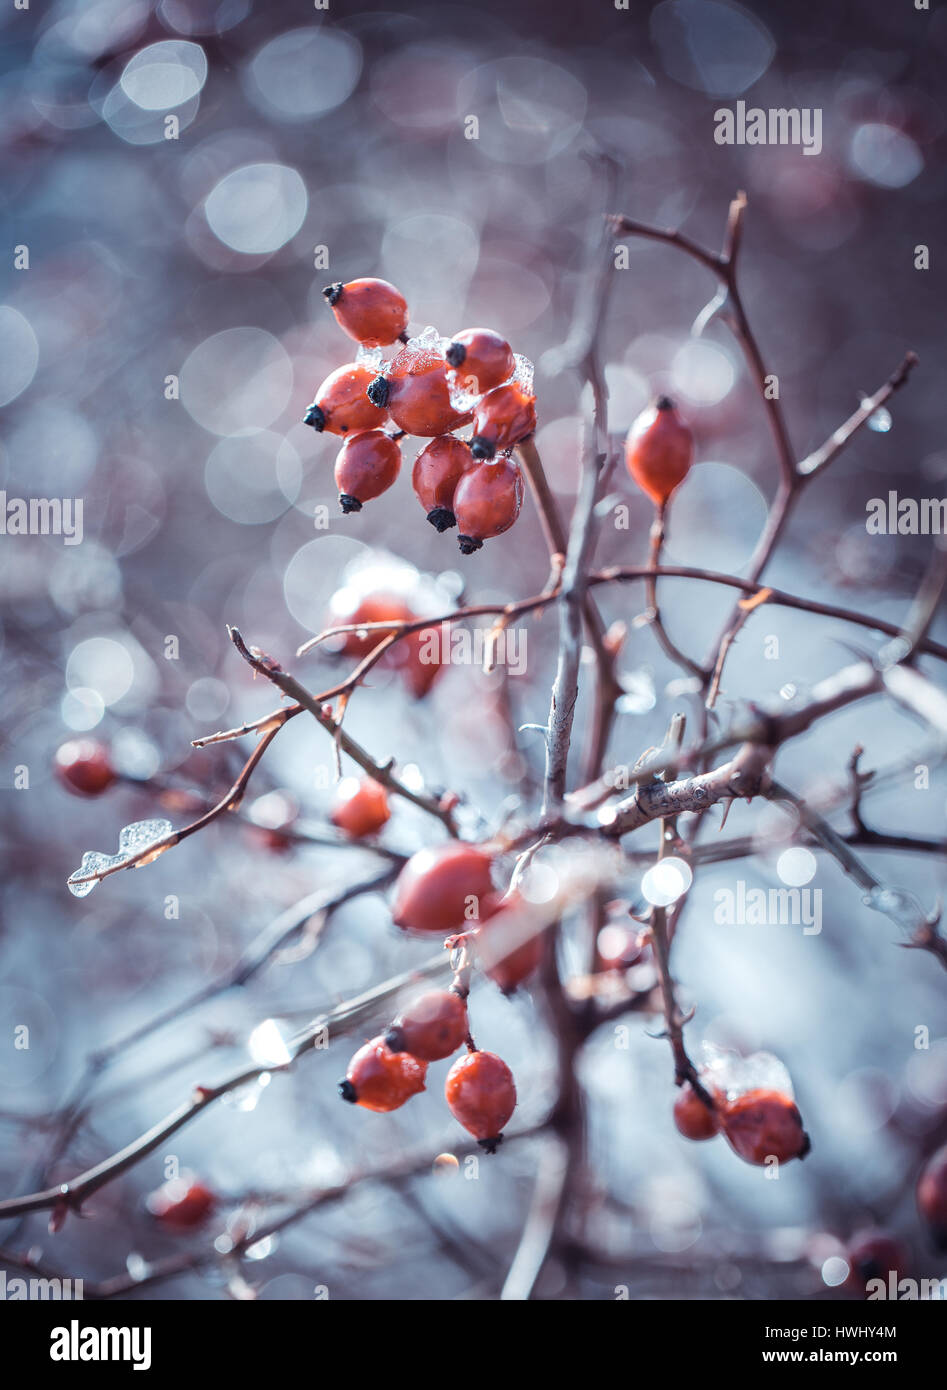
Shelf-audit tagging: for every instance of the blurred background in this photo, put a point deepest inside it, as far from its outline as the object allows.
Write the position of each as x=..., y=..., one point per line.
x=185, y=178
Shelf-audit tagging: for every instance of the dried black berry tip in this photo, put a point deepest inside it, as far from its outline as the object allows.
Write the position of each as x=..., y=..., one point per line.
x=316, y=417
x=468, y=544
x=441, y=518
x=394, y=1040
x=664, y=403
x=455, y=354
x=490, y=1146
x=403, y=337
x=378, y=392
x=806, y=1145
x=332, y=293
x=482, y=448
x=349, y=503
x=347, y=1090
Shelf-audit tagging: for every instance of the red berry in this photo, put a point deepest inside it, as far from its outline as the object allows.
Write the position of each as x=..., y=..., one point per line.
x=481, y=360
x=438, y=469
x=503, y=417
x=487, y=502
x=436, y=887
x=366, y=466
x=482, y=1096
x=182, y=1204
x=932, y=1196
x=415, y=391
x=764, y=1124
x=415, y=661
x=659, y=450
x=83, y=766
x=372, y=312
x=875, y=1255
x=380, y=1079
x=373, y=608
x=361, y=808
x=342, y=406
x=506, y=922
x=432, y=1027
x=693, y=1118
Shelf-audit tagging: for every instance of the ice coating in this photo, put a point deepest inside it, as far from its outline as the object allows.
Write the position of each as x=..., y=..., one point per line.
x=463, y=400
x=133, y=839
x=370, y=357
x=735, y=1075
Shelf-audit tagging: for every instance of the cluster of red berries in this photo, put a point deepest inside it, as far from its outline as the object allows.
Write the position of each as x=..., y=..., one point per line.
x=428, y=389
x=659, y=451
x=758, y=1125
x=438, y=892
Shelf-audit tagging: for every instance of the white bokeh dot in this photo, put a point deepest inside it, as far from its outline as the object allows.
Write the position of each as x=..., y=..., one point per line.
x=796, y=866
x=665, y=881
x=258, y=208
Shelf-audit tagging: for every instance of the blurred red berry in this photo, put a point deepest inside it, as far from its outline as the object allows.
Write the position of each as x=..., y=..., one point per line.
x=432, y=1027
x=481, y=360
x=481, y=1094
x=764, y=1124
x=659, y=450
x=438, y=469
x=367, y=465
x=373, y=608
x=182, y=1204
x=504, y=417
x=361, y=807
x=372, y=312
x=932, y=1196
x=875, y=1255
x=693, y=1118
x=83, y=766
x=437, y=887
x=342, y=406
x=381, y=1080
x=510, y=941
x=487, y=503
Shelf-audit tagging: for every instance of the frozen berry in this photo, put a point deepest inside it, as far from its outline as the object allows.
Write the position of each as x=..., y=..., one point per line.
x=380, y=1079
x=481, y=360
x=763, y=1124
x=438, y=890
x=342, y=406
x=414, y=389
x=503, y=417
x=431, y=1027
x=481, y=1094
x=487, y=502
x=372, y=312
x=659, y=450
x=367, y=465
x=438, y=469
